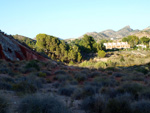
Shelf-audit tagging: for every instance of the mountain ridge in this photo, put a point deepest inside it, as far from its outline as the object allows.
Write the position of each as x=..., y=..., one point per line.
x=108, y=34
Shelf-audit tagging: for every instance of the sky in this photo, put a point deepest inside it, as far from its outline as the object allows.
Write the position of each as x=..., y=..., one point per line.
x=71, y=18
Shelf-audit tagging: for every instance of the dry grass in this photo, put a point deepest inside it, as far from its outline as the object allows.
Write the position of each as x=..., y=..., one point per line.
x=119, y=59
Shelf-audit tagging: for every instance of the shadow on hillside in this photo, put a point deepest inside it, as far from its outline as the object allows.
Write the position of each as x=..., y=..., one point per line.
x=144, y=68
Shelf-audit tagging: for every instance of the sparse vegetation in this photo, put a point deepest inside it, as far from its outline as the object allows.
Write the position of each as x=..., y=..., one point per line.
x=97, y=90
x=117, y=106
x=38, y=104
x=33, y=64
x=4, y=104
x=96, y=104
x=97, y=80
x=80, y=77
x=142, y=106
x=67, y=90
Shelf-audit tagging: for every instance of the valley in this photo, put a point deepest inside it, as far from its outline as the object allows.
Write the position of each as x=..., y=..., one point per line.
x=49, y=75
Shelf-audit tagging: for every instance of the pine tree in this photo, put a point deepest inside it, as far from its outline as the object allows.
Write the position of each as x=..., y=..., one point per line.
x=52, y=57
x=79, y=57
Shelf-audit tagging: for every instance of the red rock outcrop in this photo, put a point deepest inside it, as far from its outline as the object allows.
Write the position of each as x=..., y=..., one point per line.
x=12, y=50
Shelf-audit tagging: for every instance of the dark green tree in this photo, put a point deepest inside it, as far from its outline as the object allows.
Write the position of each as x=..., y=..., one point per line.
x=145, y=41
x=41, y=41
x=79, y=57
x=71, y=55
x=87, y=44
x=132, y=40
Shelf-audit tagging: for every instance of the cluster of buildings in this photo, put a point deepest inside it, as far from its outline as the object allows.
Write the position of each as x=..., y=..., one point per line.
x=117, y=45
x=121, y=45
x=141, y=45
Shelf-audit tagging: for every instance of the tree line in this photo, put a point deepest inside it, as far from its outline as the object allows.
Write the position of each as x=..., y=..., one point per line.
x=134, y=40
x=25, y=40
x=58, y=49
x=76, y=50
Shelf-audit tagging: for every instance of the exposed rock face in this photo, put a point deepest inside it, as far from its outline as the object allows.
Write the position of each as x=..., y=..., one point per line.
x=12, y=50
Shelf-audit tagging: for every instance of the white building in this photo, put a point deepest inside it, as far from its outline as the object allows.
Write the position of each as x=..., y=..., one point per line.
x=117, y=45
x=141, y=45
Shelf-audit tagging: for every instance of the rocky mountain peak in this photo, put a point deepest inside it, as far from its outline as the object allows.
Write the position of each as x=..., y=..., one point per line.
x=108, y=34
x=126, y=29
x=127, y=26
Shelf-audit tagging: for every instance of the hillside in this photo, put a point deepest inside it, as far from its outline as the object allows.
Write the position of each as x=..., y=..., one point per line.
x=25, y=40
x=95, y=86
x=26, y=84
x=144, y=33
x=12, y=50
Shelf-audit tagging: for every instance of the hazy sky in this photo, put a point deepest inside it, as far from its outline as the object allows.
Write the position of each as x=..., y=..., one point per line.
x=71, y=18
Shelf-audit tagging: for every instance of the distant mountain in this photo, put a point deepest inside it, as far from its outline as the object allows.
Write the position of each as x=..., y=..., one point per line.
x=126, y=31
x=25, y=40
x=145, y=32
x=108, y=34
x=147, y=29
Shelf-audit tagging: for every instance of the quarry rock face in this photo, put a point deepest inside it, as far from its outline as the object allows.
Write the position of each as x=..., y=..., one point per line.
x=12, y=50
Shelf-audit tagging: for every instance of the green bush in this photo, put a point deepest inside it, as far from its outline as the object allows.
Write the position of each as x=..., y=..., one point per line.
x=67, y=90
x=133, y=88
x=141, y=106
x=6, y=82
x=71, y=63
x=89, y=90
x=94, y=104
x=111, y=64
x=4, y=70
x=116, y=74
x=77, y=94
x=62, y=77
x=122, y=59
x=109, y=92
x=145, y=94
x=27, y=70
x=117, y=106
x=33, y=64
x=85, y=71
x=87, y=64
x=4, y=105
x=101, y=53
x=104, y=81
x=100, y=65
x=94, y=74
x=41, y=74
x=109, y=72
x=28, y=84
x=138, y=76
x=80, y=77
x=144, y=70
x=60, y=72
x=24, y=87
x=5, y=86
x=41, y=104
